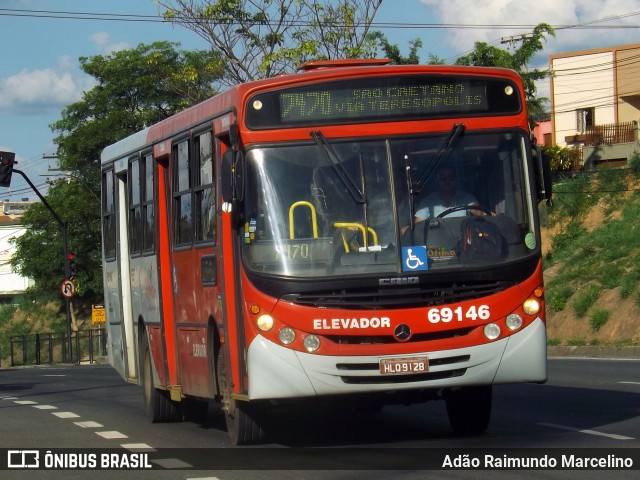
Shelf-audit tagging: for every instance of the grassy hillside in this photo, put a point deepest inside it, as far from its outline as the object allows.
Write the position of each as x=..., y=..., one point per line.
x=592, y=259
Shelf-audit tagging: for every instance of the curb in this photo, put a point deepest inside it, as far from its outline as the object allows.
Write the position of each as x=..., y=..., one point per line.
x=595, y=351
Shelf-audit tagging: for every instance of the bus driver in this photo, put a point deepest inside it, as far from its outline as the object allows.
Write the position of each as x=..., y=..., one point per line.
x=447, y=196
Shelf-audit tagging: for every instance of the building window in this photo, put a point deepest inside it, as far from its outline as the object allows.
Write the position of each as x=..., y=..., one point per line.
x=585, y=118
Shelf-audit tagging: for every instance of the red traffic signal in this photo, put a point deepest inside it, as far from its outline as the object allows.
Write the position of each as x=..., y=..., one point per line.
x=71, y=263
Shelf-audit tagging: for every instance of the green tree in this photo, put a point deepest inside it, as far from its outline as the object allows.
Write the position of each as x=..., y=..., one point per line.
x=39, y=250
x=134, y=89
x=392, y=51
x=485, y=55
x=270, y=37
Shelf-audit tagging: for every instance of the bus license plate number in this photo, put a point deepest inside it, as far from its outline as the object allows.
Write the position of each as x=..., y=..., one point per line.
x=399, y=366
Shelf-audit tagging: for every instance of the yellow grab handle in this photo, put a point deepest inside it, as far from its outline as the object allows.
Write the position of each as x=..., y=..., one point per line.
x=360, y=227
x=314, y=220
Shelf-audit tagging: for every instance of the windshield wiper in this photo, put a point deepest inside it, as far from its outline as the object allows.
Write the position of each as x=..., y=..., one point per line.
x=410, y=186
x=444, y=150
x=333, y=160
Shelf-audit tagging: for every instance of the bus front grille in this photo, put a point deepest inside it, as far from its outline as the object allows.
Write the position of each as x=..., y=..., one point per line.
x=402, y=297
x=390, y=339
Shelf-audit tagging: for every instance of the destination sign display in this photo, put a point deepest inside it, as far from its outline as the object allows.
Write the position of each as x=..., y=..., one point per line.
x=373, y=102
x=383, y=98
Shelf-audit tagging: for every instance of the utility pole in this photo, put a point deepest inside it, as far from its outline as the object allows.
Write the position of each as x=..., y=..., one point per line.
x=515, y=38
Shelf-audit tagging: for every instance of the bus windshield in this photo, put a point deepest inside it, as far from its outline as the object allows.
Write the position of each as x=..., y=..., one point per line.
x=388, y=206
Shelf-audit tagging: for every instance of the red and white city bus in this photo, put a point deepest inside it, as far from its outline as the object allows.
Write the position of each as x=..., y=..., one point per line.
x=279, y=243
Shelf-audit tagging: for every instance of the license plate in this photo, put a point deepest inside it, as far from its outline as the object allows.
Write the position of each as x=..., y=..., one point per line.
x=399, y=366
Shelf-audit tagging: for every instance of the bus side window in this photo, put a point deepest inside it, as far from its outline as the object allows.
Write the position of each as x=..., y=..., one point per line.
x=135, y=207
x=204, y=188
x=182, y=194
x=108, y=216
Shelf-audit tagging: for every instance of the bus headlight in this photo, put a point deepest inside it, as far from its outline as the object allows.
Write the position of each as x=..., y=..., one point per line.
x=514, y=321
x=311, y=343
x=491, y=331
x=531, y=306
x=287, y=335
x=265, y=322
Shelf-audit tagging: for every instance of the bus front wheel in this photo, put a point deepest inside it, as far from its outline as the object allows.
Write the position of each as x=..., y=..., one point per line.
x=469, y=409
x=242, y=425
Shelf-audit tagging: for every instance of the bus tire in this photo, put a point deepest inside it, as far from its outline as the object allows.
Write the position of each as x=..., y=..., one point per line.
x=243, y=425
x=469, y=409
x=157, y=403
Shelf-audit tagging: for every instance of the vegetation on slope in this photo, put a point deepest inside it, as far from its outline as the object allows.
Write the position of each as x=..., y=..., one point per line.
x=592, y=260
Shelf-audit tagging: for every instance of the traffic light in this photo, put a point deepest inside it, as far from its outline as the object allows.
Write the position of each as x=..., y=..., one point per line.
x=7, y=159
x=71, y=261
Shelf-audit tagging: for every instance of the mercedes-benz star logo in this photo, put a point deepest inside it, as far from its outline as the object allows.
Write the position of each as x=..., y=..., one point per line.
x=402, y=332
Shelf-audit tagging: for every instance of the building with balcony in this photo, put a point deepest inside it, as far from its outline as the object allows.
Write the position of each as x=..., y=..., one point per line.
x=12, y=285
x=595, y=102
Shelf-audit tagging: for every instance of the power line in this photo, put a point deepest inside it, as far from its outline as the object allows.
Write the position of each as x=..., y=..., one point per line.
x=111, y=17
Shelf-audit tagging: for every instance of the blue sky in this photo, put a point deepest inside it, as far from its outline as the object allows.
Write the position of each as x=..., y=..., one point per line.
x=39, y=73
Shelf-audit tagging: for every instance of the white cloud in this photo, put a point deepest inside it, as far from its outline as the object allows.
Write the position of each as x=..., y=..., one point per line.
x=105, y=44
x=498, y=13
x=49, y=90
x=45, y=90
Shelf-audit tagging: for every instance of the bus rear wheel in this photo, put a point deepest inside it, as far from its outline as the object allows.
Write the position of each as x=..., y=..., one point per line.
x=243, y=421
x=157, y=403
x=469, y=409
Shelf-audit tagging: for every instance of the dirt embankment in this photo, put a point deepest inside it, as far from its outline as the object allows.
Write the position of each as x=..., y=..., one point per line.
x=623, y=324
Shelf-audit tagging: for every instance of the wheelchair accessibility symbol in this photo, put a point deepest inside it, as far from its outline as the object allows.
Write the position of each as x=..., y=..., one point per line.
x=414, y=258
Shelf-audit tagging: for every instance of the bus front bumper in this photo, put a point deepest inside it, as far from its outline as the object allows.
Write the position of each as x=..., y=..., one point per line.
x=279, y=372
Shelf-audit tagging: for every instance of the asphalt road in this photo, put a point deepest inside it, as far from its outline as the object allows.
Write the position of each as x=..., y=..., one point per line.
x=588, y=407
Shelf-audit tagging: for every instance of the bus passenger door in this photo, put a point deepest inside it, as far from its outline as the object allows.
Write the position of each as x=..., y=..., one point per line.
x=193, y=222
x=122, y=351
x=129, y=367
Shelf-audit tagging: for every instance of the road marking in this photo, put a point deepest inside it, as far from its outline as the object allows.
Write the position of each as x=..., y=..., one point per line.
x=138, y=447
x=88, y=424
x=65, y=415
x=25, y=402
x=10, y=398
x=111, y=435
x=589, y=432
x=630, y=383
x=51, y=375
x=45, y=407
